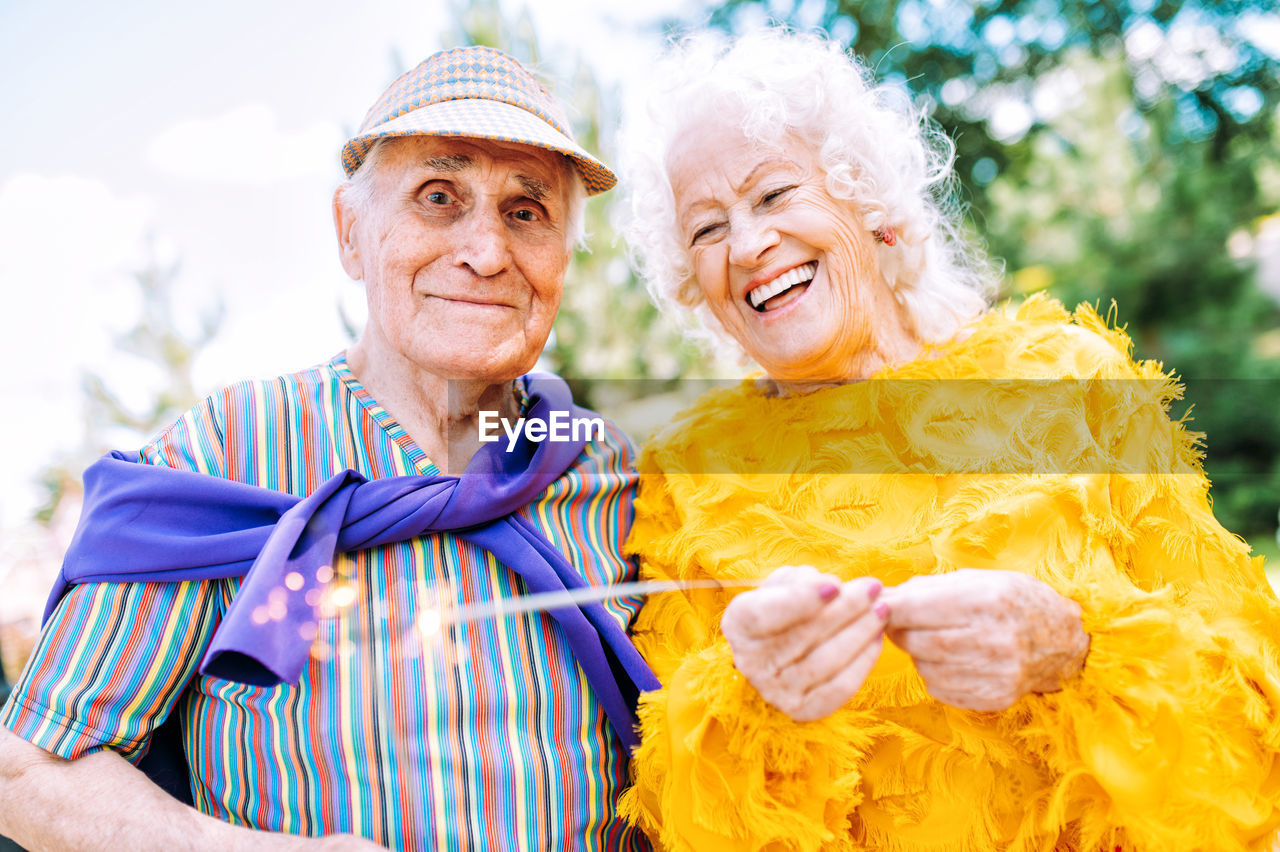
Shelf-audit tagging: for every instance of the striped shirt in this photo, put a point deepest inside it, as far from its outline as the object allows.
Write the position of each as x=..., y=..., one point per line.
x=483, y=736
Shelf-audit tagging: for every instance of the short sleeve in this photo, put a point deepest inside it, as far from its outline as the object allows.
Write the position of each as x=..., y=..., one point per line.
x=113, y=658
x=110, y=666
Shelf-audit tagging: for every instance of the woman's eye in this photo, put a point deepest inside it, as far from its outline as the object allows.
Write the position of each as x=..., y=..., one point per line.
x=775, y=194
x=703, y=233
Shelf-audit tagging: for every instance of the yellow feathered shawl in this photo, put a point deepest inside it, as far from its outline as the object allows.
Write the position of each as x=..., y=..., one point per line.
x=1168, y=738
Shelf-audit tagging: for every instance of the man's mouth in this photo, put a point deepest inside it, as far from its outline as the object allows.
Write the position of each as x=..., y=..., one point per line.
x=780, y=290
x=470, y=301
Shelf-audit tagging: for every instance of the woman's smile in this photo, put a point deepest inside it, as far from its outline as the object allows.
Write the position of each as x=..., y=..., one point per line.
x=788, y=270
x=783, y=289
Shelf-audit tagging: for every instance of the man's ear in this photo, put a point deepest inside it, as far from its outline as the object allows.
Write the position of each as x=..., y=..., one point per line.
x=344, y=222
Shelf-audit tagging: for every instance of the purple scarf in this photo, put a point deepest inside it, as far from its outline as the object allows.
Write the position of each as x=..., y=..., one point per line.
x=147, y=523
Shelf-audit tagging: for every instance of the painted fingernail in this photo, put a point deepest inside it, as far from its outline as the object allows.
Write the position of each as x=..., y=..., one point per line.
x=874, y=590
x=881, y=610
x=827, y=591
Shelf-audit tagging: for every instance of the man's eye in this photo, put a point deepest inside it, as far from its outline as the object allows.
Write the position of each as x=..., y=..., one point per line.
x=437, y=197
x=525, y=215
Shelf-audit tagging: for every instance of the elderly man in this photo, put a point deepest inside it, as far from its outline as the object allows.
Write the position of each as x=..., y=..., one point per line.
x=271, y=572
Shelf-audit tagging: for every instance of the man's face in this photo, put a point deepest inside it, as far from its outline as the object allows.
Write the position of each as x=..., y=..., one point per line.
x=462, y=248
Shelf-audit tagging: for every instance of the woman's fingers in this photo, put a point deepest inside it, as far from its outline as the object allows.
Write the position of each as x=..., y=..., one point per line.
x=789, y=597
x=832, y=694
x=983, y=639
x=855, y=600
x=937, y=601
x=830, y=657
x=968, y=687
x=944, y=645
x=790, y=575
x=786, y=624
x=792, y=638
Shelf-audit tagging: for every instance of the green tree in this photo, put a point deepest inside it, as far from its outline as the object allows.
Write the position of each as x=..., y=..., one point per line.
x=1098, y=215
x=965, y=58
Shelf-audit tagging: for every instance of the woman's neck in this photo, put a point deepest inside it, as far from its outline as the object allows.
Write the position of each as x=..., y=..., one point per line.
x=892, y=345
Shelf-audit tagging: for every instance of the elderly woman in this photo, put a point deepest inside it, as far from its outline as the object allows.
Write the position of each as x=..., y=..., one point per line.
x=1080, y=657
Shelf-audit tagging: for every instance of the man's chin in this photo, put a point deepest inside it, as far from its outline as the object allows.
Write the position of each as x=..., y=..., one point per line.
x=475, y=353
x=493, y=371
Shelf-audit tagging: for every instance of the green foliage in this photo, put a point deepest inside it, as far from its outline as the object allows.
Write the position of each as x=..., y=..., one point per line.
x=1111, y=151
x=956, y=54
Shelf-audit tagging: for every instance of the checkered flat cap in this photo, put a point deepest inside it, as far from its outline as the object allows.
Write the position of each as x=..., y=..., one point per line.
x=477, y=92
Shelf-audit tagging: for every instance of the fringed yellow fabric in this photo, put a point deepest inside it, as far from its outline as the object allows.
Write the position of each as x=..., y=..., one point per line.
x=1167, y=740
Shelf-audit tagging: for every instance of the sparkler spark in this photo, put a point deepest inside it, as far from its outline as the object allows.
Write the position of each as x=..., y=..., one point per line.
x=342, y=596
x=429, y=623
x=547, y=601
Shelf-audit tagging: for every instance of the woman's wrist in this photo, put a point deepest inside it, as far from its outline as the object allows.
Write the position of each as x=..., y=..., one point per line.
x=1067, y=652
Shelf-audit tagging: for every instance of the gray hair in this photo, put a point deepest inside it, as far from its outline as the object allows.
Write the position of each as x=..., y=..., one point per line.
x=887, y=160
x=357, y=190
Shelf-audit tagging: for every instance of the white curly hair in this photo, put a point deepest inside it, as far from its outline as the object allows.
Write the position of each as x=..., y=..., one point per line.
x=888, y=161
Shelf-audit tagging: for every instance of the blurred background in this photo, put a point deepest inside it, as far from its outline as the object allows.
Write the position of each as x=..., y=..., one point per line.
x=166, y=175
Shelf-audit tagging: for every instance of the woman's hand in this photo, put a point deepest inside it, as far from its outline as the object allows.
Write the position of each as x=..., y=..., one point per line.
x=805, y=640
x=983, y=639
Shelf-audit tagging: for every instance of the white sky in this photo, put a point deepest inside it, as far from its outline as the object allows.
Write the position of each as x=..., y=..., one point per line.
x=209, y=133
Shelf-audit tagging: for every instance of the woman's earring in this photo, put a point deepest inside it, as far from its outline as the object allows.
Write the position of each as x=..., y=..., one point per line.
x=885, y=234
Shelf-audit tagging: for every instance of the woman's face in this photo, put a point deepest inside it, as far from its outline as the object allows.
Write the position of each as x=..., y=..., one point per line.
x=789, y=271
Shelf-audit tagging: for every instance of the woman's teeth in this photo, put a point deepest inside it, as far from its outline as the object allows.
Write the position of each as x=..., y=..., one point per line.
x=802, y=274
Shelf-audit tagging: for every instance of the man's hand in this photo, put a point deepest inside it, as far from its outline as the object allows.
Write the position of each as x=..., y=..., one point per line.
x=805, y=640
x=983, y=639
x=100, y=801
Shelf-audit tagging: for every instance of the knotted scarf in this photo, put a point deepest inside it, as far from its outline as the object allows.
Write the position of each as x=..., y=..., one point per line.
x=147, y=523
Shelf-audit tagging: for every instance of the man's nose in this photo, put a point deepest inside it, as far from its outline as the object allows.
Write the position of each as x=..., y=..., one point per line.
x=750, y=239
x=485, y=246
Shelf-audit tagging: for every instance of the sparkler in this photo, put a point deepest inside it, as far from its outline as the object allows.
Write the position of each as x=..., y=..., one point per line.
x=433, y=620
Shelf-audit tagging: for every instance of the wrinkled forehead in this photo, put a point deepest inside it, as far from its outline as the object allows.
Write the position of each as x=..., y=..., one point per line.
x=542, y=173
x=714, y=161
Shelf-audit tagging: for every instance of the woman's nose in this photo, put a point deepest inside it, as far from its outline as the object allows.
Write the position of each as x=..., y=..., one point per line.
x=750, y=239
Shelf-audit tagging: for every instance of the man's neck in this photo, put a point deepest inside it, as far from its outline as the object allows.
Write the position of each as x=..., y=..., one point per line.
x=441, y=415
